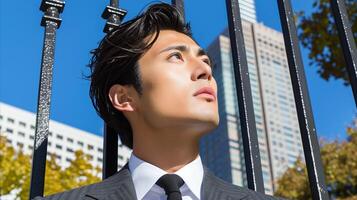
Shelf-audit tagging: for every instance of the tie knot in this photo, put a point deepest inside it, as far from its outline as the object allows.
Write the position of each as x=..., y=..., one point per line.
x=171, y=183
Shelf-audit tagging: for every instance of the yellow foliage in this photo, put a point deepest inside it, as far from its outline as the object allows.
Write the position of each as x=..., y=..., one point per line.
x=15, y=172
x=340, y=168
x=80, y=172
x=15, y=166
x=294, y=183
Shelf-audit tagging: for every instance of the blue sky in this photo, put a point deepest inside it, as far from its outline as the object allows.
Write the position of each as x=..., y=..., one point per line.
x=21, y=39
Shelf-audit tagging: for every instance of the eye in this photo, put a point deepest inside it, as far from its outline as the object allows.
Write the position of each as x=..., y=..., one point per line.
x=175, y=56
x=207, y=61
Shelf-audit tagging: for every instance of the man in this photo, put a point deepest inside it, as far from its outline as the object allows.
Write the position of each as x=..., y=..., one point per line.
x=153, y=83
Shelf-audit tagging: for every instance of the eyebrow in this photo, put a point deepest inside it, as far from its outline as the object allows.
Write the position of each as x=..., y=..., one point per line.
x=184, y=48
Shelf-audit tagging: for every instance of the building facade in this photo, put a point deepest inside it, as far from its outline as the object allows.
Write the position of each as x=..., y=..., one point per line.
x=18, y=126
x=274, y=108
x=247, y=10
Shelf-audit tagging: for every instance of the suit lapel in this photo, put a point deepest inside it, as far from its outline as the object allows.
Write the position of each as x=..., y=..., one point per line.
x=214, y=188
x=120, y=186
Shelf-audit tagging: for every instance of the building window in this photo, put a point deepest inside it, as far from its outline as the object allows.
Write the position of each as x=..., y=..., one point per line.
x=49, y=143
x=100, y=149
x=1, y=117
x=58, y=146
x=30, y=147
x=32, y=127
x=22, y=134
x=80, y=143
x=22, y=124
x=59, y=137
x=68, y=160
x=19, y=144
x=9, y=130
x=70, y=140
x=32, y=137
x=70, y=150
x=10, y=120
x=100, y=160
x=90, y=147
x=50, y=133
x=9, y=141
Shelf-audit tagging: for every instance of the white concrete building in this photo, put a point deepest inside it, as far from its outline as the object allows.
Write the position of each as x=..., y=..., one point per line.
x=18, y=126
x=274, y=108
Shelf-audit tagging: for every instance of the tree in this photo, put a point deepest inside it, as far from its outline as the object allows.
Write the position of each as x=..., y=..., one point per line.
x=340, y=168
x=294, y=183
x=15, y=166
x=53, y=179
x=80, y=172
x=319, y=35
x=15, y=172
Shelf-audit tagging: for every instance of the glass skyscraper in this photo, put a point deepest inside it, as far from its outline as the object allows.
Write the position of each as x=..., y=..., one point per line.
x=274, y=108
x=247, y=10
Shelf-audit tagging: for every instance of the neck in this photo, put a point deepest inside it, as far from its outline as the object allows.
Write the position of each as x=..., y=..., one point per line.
x=167, y=150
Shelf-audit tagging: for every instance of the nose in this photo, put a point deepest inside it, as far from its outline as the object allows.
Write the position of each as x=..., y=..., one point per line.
x=201, y=70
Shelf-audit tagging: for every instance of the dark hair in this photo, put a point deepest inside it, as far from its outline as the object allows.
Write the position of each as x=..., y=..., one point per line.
x=115, y=61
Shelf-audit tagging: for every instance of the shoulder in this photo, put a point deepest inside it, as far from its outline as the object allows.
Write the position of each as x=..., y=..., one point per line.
x=219, y=186
x=84, y=193
x=77, y=193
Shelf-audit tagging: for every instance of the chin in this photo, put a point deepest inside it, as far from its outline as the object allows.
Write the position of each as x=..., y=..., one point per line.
x=210, y=124
x=201, y=127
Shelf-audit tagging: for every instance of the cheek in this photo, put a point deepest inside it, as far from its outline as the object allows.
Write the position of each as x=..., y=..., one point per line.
x=168, y=93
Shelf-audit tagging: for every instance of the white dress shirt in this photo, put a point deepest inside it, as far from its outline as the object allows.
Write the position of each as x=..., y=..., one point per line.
x=145, y=175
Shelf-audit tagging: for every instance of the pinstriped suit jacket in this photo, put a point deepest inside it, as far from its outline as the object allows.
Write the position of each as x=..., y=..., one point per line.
x=120, y=186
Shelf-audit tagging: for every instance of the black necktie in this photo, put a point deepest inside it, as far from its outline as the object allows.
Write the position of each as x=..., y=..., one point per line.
x=171, y=183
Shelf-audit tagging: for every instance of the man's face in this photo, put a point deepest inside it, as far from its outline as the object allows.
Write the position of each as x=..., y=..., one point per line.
x=172, y=71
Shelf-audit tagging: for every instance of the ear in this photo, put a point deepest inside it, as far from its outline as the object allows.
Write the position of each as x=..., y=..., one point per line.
x=119, y=96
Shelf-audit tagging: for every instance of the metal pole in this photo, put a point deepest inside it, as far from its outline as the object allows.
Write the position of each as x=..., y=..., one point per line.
x=180, y=6
x=348, y=44
x=245, y=101
x=113, y=15
x=302, y=101
x=51, y=21
x=110, y=152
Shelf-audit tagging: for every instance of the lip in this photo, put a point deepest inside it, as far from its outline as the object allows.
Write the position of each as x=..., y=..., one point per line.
x=207, y=92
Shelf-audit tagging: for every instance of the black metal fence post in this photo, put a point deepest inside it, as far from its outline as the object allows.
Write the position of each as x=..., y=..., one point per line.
x=51, y=21
x=245, y=101
x=348, y=44
x=302, y=101
x=113, y=15
x=110, y=152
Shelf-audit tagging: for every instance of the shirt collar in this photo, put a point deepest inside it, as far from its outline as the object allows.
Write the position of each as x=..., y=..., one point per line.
x=145, y=175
